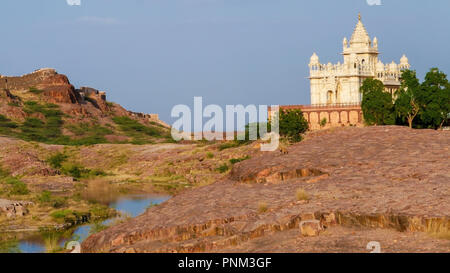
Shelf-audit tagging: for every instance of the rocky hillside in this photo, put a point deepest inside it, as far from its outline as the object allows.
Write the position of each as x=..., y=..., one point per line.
x=333, y=192
x=47, y=180
x=44, y=106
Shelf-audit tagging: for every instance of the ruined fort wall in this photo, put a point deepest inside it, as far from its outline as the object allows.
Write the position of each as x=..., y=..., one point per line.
x=57, y=89
x=35, y=79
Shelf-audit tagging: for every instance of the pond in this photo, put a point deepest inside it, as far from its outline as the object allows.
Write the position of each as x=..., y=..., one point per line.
x=131, y=206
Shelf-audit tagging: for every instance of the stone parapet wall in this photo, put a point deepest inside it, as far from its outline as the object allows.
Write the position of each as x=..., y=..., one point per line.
x=35, y=79
x=336, y=115
x=149, y=118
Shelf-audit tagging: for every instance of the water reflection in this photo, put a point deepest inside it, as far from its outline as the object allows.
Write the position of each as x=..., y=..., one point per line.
x=129, y=206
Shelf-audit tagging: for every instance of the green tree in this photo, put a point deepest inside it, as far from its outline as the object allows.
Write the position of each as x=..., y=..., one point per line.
x=377, y=105
x=406, y=105
x=292, y=124
x=434, y=99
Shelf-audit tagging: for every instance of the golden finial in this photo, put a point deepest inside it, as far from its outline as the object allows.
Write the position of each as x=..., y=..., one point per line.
x=359, y=16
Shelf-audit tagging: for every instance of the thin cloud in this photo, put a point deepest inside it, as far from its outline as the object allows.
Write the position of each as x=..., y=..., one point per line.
x=73, y=2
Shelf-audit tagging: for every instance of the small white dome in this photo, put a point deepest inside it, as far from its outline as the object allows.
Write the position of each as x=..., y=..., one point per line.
x=404, y=60
x=393, y=67
x=314, y=59
x=380, y=66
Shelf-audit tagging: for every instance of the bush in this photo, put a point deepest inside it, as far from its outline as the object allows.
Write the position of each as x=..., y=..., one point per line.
x=56, y=202
x=4, y=121
x=209, y=155
x=131, y=126
x=222, y=169
x=17, y=187
x=45, y=197
x=237, y=160
x=57, y=160
x=61, y=214
x=77, y=171
x=14, y=104
x=292, y=124
x=100, y=212
x=229, y=144
x=36, y=91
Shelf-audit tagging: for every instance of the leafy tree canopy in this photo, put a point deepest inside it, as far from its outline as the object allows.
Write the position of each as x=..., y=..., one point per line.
x=407, y=105
x=377, y=105
x=292, y=124
x=434, y=99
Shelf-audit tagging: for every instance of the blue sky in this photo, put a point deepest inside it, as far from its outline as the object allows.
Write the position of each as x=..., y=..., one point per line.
x=150, y=55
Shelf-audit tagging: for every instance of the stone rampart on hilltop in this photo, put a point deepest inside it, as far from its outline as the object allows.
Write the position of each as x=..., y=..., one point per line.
x=56, y=88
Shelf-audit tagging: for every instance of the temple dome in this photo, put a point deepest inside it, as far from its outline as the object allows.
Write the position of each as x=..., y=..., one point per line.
x=360, y=35
x=393, y=67
x=404, y=60
x=314, y=59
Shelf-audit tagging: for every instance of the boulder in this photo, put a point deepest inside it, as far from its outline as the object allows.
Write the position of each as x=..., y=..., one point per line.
x=310, y=228
x=14, y=209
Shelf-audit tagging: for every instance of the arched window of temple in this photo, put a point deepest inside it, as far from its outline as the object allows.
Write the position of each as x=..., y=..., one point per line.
x=330, y=97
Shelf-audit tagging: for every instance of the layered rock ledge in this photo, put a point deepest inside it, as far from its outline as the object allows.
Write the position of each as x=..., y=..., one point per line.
x=387, y=183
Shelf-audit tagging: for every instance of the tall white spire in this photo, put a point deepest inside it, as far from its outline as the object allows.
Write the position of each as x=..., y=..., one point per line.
x=360, y=37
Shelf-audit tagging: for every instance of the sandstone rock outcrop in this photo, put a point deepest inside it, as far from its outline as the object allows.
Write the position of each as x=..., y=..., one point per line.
x=56, y=88
x=14, y=208
x=389, y=178
x=310, y=228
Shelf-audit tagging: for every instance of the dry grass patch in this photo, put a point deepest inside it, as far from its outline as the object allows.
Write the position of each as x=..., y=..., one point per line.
x=262, y=207
x=302, y=195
